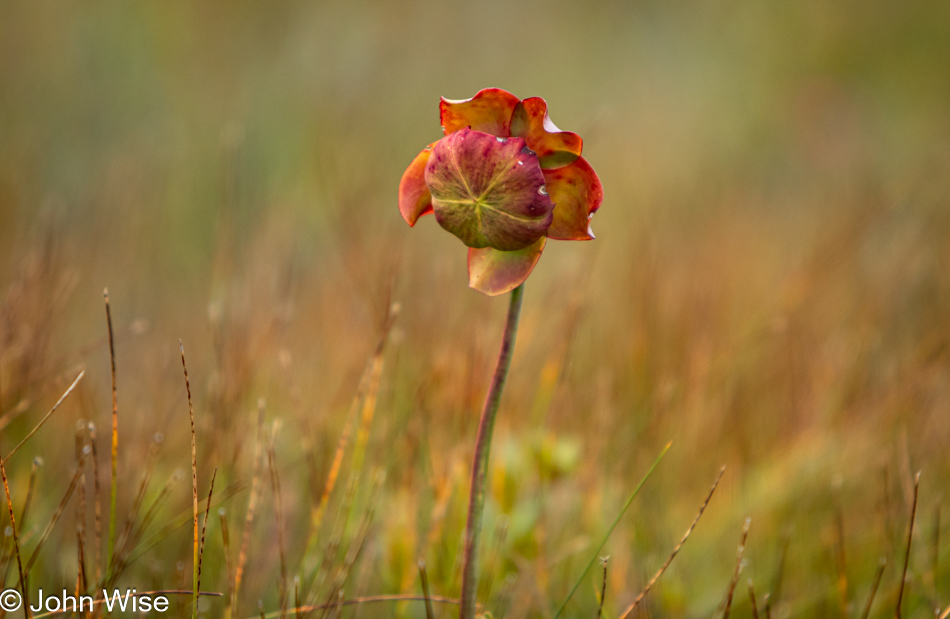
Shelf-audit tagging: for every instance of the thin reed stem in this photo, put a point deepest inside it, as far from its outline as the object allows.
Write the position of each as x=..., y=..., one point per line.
x=476, y=501
x=194, y=483
x=204, y=525
x=874, y=585
x=910, y=539
x=43, y=420
x=16, y=541
x=279, y=516
x=676, y=549
x=97, y=540
x=425, y=589
x=752, y=602
x=251, y=511
x=115, y=431
x=603, y=589
x=738, y=569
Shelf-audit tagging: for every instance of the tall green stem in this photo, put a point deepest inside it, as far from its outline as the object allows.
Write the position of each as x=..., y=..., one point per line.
x=476, y=500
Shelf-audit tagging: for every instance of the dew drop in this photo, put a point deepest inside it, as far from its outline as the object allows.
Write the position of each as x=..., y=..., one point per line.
x=520, y=162
x=542, y=190
x=8, y=531
x=502, y=140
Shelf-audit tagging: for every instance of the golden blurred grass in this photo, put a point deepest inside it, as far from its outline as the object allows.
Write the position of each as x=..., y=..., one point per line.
x=769, y=290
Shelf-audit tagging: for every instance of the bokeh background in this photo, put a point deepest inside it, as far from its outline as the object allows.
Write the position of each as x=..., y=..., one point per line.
x=769, y=290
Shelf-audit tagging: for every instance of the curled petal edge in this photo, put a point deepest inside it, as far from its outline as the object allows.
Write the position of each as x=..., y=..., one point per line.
x=555, y=148
x=414, y=197
x=577, y=194
x=489, y=111
x=494, y=272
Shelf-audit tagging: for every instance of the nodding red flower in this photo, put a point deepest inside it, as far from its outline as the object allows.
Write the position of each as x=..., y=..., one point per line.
x=504, y=179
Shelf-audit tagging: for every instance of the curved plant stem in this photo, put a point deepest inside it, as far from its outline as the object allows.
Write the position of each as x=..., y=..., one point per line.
x=476, y=500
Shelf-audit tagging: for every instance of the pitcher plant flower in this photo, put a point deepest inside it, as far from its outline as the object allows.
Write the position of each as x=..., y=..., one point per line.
x=504, y=180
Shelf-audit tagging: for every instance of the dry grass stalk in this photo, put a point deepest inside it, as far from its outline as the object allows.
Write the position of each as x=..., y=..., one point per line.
x=910, y=538
x=356, y=544
x=115, y=430
x=226, y=544
x=676, y=549
x=9, y=553
x=126, y=544
x=57, y=513
x=81, y=450
x=335, y=540
x=47, y=416
x=364, y=402
x=424, y=578
x=122, y=544
x=204, y=526
x=779, y=579
x=97, y=533
x=841, y=563
x=603, y=589
x=755, y=605
x=194, y=483
x=738, y=568
x=935, y=550
x=372, y=392
x=251, y=510
x=16, y=540
x=279, y=515
x=874, y=585
x=297, y=597
x=30, y=488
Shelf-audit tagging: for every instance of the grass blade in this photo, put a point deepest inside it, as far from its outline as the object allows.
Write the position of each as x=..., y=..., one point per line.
x=613, y=526
x=677, y=548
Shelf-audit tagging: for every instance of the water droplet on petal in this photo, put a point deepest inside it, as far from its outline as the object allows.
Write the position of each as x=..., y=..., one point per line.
x=520, y=162
x=543, y=190
x=502, y=140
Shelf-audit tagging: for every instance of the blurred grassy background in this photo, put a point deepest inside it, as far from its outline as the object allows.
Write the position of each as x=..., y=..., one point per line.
x=769, y=290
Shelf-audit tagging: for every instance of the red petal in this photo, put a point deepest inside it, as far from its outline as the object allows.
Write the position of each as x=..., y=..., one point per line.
x=577, y=194
x=414, y=198
x=495, y=272
x=555, y=148
x=489, y=111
